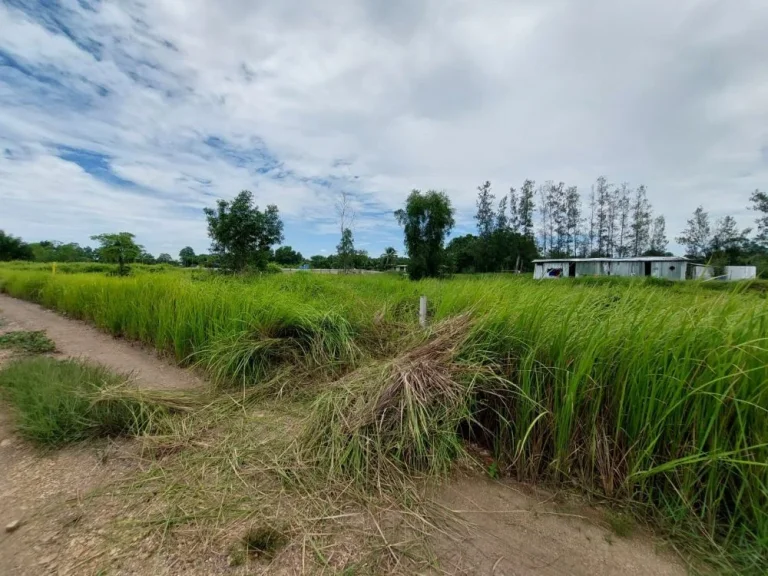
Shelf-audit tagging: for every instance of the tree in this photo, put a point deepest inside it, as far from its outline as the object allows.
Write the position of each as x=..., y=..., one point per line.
x=603, y=216
x=526, y=208
x=165, y=258
x=695, y=237
x=572, y=219
x=426, y=220
x=759, y=202
x=658, y=237
x=389, y=258
x=242, y=235
x=287, y=256
x=13, y=248
x=118, y=248
x=592, y=224
x=623, y=203
x=187, y=257
x=514, y=211
x=640, y=222
x=346, y=249
x=485, y=215
x=502, y=220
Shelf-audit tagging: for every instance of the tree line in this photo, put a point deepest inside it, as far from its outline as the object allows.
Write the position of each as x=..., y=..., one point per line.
x=549, y=220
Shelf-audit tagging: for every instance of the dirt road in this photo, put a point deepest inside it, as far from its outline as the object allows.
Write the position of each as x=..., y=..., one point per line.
x=78, y=340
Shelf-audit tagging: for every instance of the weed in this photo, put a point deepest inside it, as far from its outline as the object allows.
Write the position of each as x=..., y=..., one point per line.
x=34, y=342
x=621, y=524
x=62, y=401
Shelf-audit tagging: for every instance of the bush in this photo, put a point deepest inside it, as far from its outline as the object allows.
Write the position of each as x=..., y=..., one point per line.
x=62, y=401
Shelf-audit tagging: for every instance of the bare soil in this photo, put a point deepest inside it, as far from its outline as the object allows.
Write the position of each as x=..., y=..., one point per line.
x=500, y=529
x=75, y=339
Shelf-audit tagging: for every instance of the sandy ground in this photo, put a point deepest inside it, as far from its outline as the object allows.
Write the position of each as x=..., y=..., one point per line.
x=505, y=529
x=78, y=340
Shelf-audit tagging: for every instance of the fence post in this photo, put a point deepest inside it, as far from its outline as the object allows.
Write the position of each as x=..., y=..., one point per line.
x=423, y=311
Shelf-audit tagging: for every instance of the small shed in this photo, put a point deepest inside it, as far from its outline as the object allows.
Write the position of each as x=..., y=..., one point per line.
x=741, y=272
x=669, y=267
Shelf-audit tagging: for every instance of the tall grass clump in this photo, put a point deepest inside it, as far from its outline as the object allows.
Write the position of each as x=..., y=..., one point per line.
x=58, y=402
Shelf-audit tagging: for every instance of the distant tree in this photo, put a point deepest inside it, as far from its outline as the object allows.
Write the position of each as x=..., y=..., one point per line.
x=526, y=208
x=659, y=242
x=603, y=215
x=287, y=256
x=165, y=258
x=696, y=236
x=623, y=204
x=640, y=222
x=145, y=257
x=759, y=202
x=346, y=249
x=389, y=258
x=13, y=248
x=119, y=248
x=426, y=220
x=545, y=218
x=485, y=215
x=514, y=211
x=242, y=235
x=187, y=257
x=502, y=220
x=319, y=262
x=558, y=211
x=592, y=233
x=728, y=240
x=460, y=253
x=573, y=219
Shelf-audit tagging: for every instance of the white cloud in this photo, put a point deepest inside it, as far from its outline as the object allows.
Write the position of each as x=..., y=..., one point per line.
x=408, y=94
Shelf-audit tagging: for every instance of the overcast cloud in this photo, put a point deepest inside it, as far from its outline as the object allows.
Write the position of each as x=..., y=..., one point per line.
x=135, y=115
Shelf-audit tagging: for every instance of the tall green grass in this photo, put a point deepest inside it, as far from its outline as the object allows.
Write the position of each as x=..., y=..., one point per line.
x=58, y=402
x=650, y=394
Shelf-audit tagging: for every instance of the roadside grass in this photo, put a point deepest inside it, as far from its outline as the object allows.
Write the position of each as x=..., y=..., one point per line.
x=652, y=396
x=30, y=342
x=57, y=402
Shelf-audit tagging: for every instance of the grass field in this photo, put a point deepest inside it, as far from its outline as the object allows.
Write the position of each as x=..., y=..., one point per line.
x=651, y=396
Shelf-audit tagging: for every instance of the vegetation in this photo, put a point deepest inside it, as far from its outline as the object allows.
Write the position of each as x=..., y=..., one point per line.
x=57, y=402
x=647, y=393
x=241, y=234
x=12, y=248
x=35, y=342
x=426, y=220
x=119, y=248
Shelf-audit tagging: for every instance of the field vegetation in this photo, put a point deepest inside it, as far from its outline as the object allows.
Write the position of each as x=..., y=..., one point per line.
x=650, y=396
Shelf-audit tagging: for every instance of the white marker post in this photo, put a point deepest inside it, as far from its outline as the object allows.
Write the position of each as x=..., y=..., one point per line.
x=423, y=311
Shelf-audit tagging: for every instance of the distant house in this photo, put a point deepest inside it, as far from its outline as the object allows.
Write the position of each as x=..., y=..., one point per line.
x=669, y=267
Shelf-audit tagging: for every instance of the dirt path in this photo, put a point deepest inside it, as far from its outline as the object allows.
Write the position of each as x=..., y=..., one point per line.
x=78, y=340
x=515, y=530
x=43, y=491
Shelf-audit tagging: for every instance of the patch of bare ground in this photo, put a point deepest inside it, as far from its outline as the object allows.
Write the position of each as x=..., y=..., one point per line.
x=511, y=529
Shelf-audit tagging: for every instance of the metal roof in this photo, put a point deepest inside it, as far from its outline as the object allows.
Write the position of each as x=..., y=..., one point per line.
x=635, y=259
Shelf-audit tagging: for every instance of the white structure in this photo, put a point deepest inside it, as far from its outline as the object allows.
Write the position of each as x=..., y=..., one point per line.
x=740, y=272
x=669, y=267
x=701, y=271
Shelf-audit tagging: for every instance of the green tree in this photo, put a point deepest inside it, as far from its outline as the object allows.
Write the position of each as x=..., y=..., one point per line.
x=13, y=248
x=759, y=202
x=119, y=248
x=388, y=258
x=658, y=237
x=696, y=236
x=526, y=208
x=426, y=220
x=287, y=256
x=165, y=258
x=242, y=235
x=485, y=215
x=187, y=257
x=346, y=250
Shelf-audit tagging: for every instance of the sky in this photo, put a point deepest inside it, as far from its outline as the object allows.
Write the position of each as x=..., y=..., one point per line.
x=135, y=115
